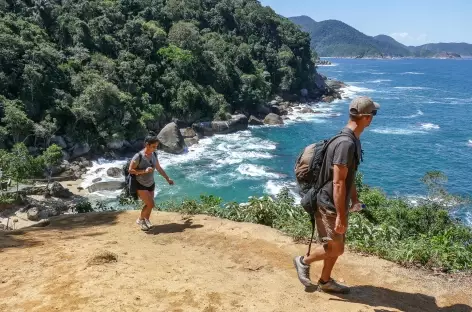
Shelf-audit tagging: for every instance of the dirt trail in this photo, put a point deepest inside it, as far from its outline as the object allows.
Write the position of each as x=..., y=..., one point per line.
x=103, y=262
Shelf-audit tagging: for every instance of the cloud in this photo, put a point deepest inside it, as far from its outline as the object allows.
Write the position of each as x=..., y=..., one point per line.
x=400, y=35
x=408, y=38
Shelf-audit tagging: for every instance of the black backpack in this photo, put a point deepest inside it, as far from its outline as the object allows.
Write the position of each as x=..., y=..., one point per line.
x=130, y=179
x=307, y=174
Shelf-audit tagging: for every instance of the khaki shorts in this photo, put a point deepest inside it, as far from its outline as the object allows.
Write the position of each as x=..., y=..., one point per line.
x=325, y=225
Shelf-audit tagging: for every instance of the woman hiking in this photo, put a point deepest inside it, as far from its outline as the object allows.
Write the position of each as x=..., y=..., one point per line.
x=142, y=167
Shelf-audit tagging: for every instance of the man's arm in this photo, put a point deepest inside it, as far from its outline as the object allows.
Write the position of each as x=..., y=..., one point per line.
x=339, y=189
x=343, y=156
x=354, y=198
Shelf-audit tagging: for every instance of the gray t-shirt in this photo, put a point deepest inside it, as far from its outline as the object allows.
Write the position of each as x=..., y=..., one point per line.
x=340, y=152
x=146, y=179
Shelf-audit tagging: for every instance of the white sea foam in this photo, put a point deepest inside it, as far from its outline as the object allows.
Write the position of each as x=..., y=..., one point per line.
x=429, y=126
x=379, y=80
x=273, y=187
x=421, y=128
x=398, y=131
x=417, y=114
x=469, y=143
x=411, y=88
x=351, y=91
x=257, y=171
x=411, y=73
x=215, y=161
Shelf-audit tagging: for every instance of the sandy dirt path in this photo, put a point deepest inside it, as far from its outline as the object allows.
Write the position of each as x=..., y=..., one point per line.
x=197, y=264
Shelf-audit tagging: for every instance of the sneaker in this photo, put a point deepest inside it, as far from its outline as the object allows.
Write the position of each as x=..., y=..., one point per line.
x=303, y=272
x=333, y=287
x=148, y=223
x=142, y=224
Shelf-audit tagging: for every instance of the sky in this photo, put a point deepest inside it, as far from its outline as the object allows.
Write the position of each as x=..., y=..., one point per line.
x=411, y=22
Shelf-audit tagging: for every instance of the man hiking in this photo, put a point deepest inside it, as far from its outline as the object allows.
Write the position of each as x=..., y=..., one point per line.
x=142, y=167
x=337, y=175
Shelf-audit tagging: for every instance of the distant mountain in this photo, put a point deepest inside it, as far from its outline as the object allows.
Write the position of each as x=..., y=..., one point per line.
x=463, y=49
x=335, y=38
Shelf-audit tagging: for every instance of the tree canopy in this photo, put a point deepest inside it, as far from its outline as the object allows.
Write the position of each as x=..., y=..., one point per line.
x=100, y=69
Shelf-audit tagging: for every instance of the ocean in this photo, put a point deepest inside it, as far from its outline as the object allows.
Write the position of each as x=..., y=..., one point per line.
x=424, y=124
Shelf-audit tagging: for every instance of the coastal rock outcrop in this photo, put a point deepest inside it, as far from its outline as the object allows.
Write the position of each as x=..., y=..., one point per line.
x=253, y=121
x=106, y=186
x=273, y=119
x=114, y=172
x=236, y=123
x=57, y=190
x=171, y=139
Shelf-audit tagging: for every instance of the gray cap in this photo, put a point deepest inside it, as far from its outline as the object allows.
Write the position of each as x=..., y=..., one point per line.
x=363, y=105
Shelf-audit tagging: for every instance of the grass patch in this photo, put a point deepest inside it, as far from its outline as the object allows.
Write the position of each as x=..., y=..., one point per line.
x=102, y=257
x=423, y=235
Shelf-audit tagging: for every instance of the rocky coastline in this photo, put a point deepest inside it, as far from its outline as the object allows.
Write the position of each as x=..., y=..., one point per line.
x=38, y=202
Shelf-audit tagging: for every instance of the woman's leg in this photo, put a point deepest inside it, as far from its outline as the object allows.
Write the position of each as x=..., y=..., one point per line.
x=150, y=206
x=147, y=201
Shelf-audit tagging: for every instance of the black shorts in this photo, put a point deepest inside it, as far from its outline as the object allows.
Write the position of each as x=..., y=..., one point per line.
x=140, y=187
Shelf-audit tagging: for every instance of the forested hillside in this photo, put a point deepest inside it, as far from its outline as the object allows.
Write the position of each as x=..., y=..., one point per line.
x=93, y=70
x=335, y=38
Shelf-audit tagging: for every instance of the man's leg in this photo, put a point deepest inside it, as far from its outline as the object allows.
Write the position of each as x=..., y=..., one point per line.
x=332, y=248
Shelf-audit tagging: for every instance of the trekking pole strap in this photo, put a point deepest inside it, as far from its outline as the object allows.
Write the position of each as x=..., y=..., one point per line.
x=312, y=234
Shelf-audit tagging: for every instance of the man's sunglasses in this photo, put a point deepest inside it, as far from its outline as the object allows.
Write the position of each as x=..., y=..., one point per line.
x=373, y=113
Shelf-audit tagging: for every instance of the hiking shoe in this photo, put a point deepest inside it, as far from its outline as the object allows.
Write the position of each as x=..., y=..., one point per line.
x=303, y=272
x=333, y=287
x=142, y=224
x=148, y=223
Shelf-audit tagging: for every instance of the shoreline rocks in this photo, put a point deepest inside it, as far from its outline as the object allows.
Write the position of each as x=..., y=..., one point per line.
x=236, y=123
x=273, y=119
x=171, y=139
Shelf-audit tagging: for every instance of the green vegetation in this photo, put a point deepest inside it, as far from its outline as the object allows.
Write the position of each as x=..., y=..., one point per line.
x=100, y=70
x=19, y=165
x=425, y=235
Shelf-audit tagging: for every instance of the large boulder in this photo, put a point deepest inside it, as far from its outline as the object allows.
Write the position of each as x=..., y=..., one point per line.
x=188, y=132
x=263, y=110
x=335, y=85
x=275, y=109
x=307, y=110
x=253, y=121
x=57, y=190
x=33, y=214
x=203, y=128
x=106, y=186
x=236, y=123
x=181, y=123
x=116, y=144
x=59, y=141
x=273, y=119
x=114, y=172
x=171, y=139
x=327, y=99
x=137, y=145
x=79, y=149
x=191, y=141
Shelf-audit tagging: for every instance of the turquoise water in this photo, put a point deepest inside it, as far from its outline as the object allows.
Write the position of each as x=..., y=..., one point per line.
x=424, y=124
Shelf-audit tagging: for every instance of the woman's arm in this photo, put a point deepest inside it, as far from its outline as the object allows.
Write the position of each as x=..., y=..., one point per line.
x=163, y=173
x=132, y=167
